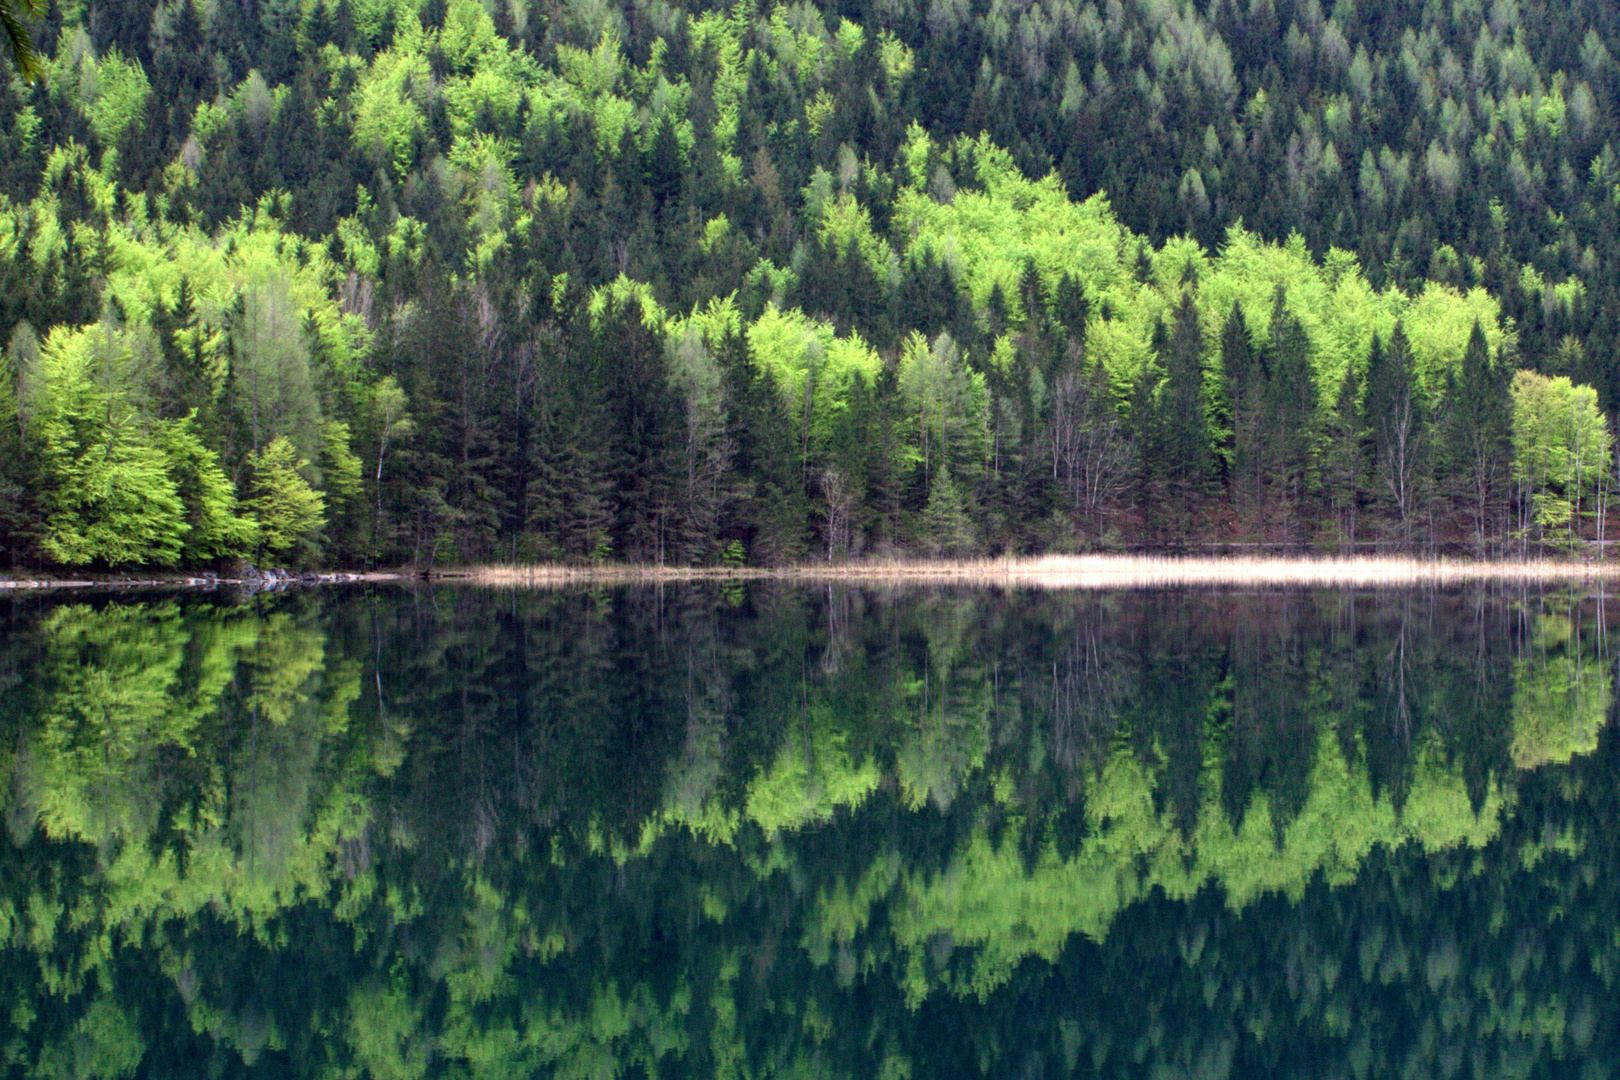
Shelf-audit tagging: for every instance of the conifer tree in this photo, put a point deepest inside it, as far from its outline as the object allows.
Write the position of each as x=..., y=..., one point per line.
x=945, y=530
x=1342, y=467
x=1245, y=372
x=1184, y=457
x=1395, y=419
x=1477, y=434
x=1291, y=403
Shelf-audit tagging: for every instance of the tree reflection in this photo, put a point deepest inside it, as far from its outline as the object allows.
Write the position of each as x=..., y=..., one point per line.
x=840, y=832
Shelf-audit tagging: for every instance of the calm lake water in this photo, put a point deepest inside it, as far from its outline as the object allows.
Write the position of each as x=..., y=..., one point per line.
x=775, y=832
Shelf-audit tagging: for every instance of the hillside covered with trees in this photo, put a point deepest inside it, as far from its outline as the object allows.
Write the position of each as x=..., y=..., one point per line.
x=375, y=281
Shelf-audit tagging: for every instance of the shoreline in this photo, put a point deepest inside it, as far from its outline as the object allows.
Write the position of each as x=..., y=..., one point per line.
x=1044, y=571
x=271, y=580
x=1073, y=572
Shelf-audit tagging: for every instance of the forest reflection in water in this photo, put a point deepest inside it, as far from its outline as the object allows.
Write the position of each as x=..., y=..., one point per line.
x=713, y=831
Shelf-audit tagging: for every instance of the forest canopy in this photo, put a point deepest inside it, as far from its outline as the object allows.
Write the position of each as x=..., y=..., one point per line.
x=382, y=282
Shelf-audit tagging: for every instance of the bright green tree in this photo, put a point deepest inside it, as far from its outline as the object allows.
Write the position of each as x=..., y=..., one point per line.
x=107, y=493
x=215, y=529
x=1561, y=447
x=289, y=511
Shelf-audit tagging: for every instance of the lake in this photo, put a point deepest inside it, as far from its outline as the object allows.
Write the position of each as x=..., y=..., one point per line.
x=769, y=830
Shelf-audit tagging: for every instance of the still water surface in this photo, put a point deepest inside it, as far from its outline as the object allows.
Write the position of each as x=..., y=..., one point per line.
x=709, y=832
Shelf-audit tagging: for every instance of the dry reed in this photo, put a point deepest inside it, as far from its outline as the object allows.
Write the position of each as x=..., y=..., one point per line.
x=1078, y=572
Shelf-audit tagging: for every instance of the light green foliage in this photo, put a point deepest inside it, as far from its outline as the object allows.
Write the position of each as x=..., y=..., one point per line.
x=129, y=697
x=1561, y=691
x=595, y=72
x=797, y=39
x=108, y=492
x=261, y=295
x=468, y=35
x=388, y=107
x=946, y=406
x=340, y=469
x=214, y=528
x=810, y=365
x=987, y=233
x=723, y=32
x=105, y=1044
x=809, y=780
x=275, y=381
x=370, y=16
x=610, y=298
x=491, y=189
x=844, y=221
x=1561, y=447
x=487, y=88
x=288, y=510
x=123, y=90
x=987, y=899
x=111, y=91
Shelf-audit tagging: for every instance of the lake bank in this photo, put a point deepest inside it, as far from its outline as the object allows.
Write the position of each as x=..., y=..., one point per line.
x=1074, y=572
x=257, y=581
x=1048, y=571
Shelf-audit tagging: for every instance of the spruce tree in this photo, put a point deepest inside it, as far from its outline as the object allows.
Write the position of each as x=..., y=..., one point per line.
x=1184, y=458
x=1341, y=465
x=944, y=529
x=1477, y=435
x=1396, y=423
x=1291, y=407
x=1245, y=378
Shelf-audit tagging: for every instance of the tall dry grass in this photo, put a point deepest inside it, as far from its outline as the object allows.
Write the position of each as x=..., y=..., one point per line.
x=1079, y=572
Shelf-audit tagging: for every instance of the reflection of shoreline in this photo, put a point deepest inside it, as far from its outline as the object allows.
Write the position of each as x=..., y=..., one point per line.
x=192, y=582
x=1074, y=572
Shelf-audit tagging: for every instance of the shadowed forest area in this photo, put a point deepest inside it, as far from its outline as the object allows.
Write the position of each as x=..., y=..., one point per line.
x=373, y=282
x=767, y=831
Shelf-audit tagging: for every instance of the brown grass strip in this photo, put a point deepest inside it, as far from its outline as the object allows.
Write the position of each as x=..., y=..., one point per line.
x=1076, y=572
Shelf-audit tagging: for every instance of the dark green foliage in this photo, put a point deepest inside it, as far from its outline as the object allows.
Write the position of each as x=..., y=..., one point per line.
x=1477, y=432
x=1182, y=452
x=1395, y=417
x=1290, y=405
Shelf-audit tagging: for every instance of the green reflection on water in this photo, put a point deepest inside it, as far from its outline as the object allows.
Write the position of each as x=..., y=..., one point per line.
x=810, y=833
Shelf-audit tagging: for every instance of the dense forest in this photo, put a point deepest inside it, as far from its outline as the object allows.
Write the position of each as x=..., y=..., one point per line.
x=377, y=281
